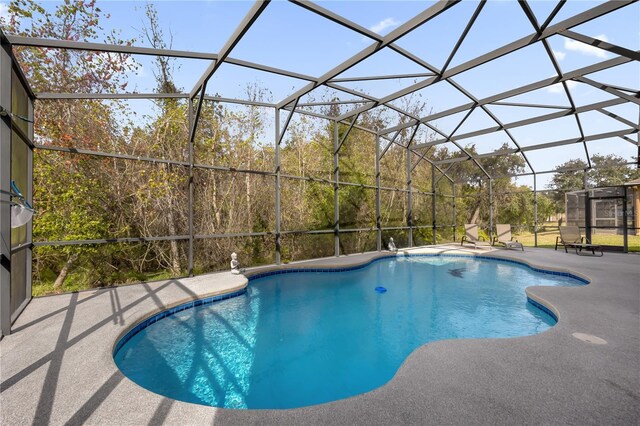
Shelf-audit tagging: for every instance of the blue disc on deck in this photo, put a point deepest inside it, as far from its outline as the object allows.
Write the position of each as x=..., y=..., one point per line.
x=381, y=290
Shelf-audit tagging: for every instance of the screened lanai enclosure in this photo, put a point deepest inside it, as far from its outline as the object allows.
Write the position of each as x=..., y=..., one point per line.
x=408, y=134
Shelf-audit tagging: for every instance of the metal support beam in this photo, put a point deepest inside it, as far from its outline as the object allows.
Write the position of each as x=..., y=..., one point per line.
x=490, y=209
x=535, y=210
x=455, y=218
x=618, y=50
x=201, y=86
x=614, y=134
x=587, y=207
x=527, y=105
x=191, y=193
x=109, y=48
x=251, y=16
x=433, y=205
x=134, y=50
x=378, y=210
x=553, y=14
x=344, y=137
x=386, y=148
x=394, y=35
x=278, y=138
x=534, y=22
x=473, y=18
x=5, y=188
x=326, y=117
x=146, y=96
x=581, y=18
x=620, y=119
x=409, y=199
x=494, y=118
x=625, y=223
x=569, y=169
x=286, y=124
x=381, y=77
x=526, y=122
x=608, y=89
x=600, y=66
x=336, y=189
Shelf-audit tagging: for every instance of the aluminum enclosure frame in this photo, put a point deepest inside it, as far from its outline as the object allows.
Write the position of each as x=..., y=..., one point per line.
x=332, y=79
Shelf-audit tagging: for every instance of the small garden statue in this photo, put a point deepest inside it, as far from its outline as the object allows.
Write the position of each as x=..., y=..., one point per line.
x=235, y=265
x=392, y=245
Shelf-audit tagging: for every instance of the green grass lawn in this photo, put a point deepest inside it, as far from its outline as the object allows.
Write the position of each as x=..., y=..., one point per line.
x=547, y=239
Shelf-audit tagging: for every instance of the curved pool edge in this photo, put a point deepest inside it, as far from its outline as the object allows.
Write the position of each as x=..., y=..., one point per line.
x=188, y=303
x=158, y=313
x=542, y=304
x=329, y=267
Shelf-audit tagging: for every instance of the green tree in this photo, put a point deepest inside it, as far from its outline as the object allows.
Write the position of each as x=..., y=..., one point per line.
x=65, y=186
x=609, y=170
x=569, y=177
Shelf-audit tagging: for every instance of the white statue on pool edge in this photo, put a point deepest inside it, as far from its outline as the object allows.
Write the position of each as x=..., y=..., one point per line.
x=392, y=245
x=235, y=265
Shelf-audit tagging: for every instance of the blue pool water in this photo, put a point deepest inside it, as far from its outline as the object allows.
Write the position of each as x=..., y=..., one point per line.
x=304, y=338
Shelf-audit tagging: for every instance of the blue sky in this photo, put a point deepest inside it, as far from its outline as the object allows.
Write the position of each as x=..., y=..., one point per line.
x=288, y=36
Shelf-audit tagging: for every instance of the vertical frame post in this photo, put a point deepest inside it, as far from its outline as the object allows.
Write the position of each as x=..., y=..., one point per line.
x=587, y=215
x=625, y=229
x=5, y=186
x=490, y=209
x=277, y=170
x=409, y=201
x=336, y=188
x=455, y=219
x=535, y=210
x=433, y=205
x=378, y=216
x=29, y=195
x=191, y=190
x=587, y=207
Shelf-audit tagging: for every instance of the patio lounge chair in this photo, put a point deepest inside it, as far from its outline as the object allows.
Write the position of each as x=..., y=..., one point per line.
x=570, y=237
x=504, y=237
x=471, y=236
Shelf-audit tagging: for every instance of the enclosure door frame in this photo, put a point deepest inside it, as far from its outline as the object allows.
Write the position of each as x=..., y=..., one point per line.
x=12, y=127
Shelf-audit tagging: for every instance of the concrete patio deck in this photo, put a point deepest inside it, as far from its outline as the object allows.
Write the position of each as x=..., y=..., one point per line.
x=57, y=366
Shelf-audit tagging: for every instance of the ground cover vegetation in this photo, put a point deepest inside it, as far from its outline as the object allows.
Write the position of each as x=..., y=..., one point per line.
x=81, y=196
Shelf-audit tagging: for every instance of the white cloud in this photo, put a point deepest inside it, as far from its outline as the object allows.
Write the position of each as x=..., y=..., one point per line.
x=559, y=55
x=557, y=88
x=586, y=49
x=4, y=11
x=384, y=24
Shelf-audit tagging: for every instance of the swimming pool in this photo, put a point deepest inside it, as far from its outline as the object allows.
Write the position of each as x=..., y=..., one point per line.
x=304, y=338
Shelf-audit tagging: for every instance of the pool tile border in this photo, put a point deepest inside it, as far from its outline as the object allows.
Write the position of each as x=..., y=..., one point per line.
x=261, y=274
x=171, y=311
x=543, y=308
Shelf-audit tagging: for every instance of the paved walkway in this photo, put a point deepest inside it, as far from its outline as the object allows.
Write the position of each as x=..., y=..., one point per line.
x=57, y=368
